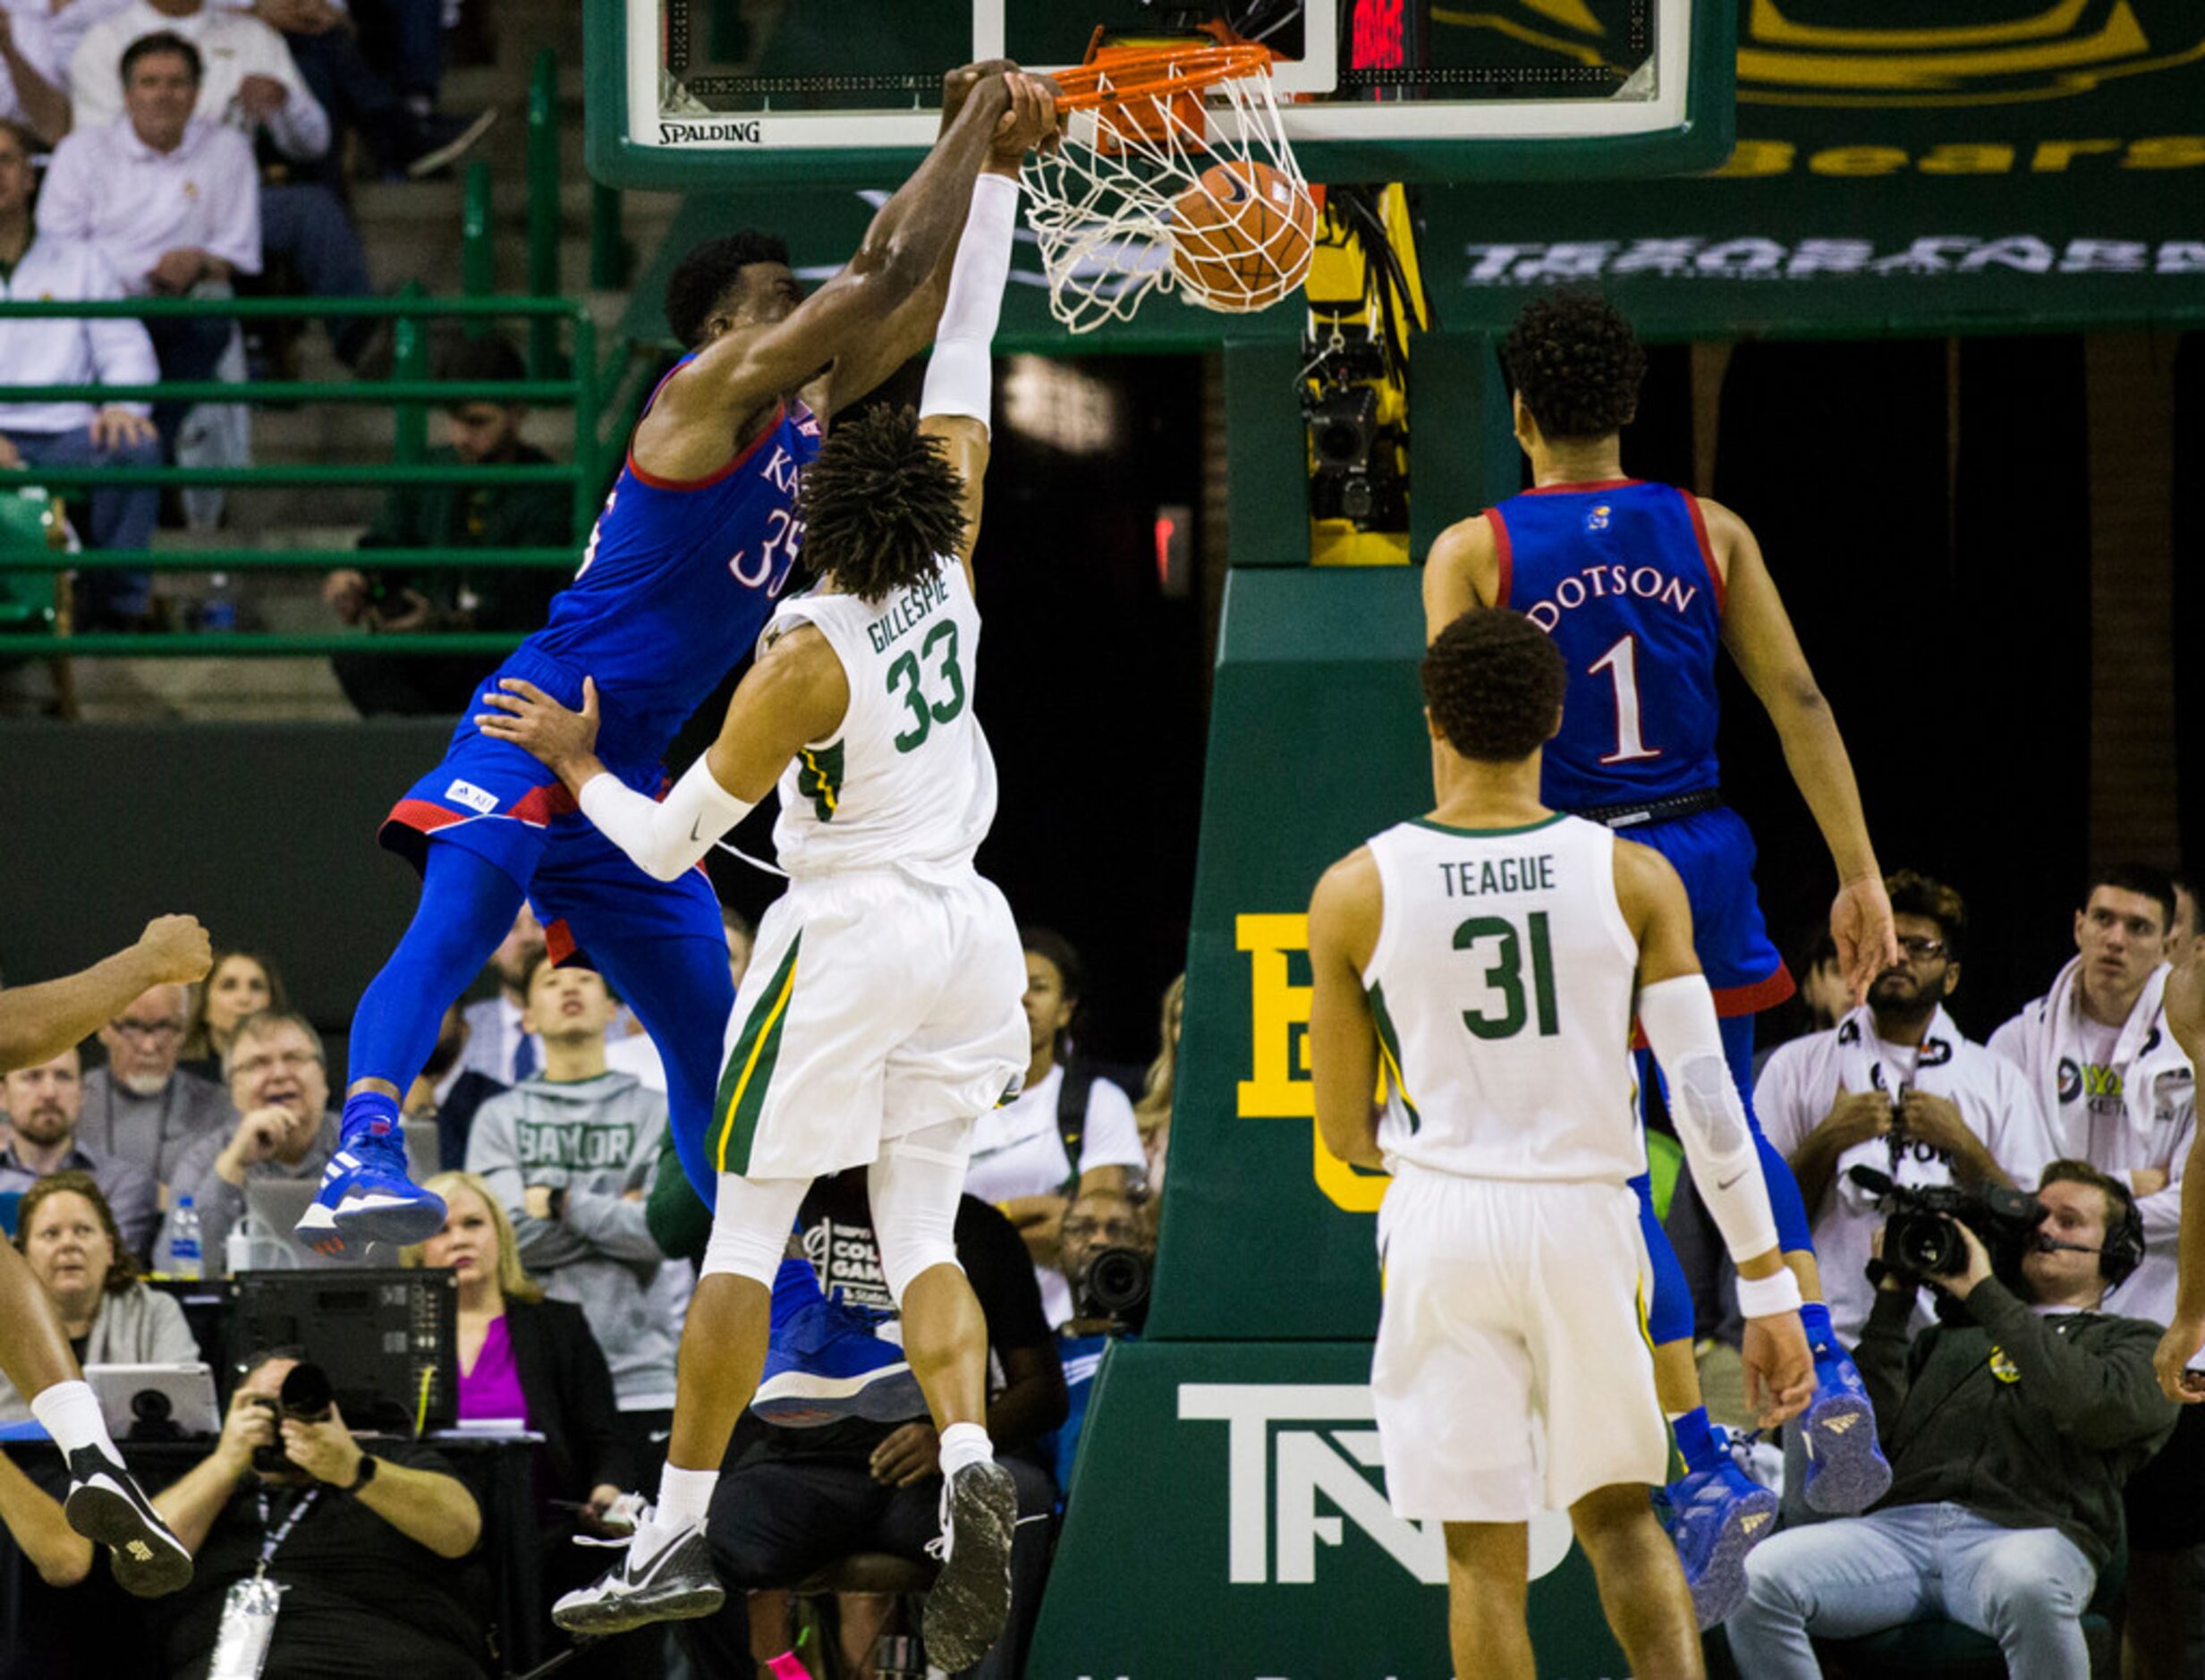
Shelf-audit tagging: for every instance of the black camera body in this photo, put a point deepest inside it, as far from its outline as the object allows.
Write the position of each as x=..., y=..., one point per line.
x=1921, y=1238
x=1113, y=1284
x=307, y=1397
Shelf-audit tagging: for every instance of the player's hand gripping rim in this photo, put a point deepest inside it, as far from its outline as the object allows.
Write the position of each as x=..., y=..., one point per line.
x=532, y=720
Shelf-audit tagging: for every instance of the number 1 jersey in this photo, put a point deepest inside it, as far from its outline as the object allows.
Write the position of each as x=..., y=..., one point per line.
x=1622, y=577
x=907, y=780
x=1501, y=987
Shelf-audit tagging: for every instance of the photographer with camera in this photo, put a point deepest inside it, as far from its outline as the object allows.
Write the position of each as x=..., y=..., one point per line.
x=338, y=1559
x=2010, y=1426
x=1896, y=1087
x=1107, y=1254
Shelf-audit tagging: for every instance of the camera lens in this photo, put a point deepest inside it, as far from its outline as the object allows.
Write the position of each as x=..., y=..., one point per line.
x=1117, y=1279
x=306, y=1395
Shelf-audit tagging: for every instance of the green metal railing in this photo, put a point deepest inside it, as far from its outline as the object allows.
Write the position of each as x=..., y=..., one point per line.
x=409, y=393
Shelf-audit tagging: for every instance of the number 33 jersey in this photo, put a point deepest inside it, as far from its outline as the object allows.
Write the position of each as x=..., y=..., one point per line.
x=907, y=780
x=1621, y=575
x=1501, y=988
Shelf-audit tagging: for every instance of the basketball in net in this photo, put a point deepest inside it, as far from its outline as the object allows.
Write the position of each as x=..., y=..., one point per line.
x=1174, y=173
x=1241, y=235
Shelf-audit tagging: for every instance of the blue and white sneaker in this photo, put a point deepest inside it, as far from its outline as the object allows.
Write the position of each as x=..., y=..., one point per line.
x=1715, y=1518
x=366, y=1196
x=1846, y=1469
x=826, y=1360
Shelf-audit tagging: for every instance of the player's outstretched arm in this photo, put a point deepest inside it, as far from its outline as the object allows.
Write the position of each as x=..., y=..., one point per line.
x=38, y=1023
x=1759, y=634
x=796, y=692
x=1461, y=571
x=1677, y=1011
x=1344, y=914
x=954, y=405
x=2184, y=1006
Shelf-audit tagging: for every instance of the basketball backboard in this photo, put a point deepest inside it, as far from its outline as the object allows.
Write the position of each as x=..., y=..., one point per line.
x=713, y=93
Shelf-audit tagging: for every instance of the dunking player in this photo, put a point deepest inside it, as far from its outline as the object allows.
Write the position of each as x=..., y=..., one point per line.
x=1638, y=584
x=1490, y=958
x=880, y=1013
x=104, y=1504
x=695, y=541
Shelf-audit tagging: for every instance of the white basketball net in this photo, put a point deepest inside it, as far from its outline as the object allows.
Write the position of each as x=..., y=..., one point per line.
x=1101, y=204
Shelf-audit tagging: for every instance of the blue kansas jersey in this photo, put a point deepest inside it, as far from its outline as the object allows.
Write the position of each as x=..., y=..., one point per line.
x=1621, y=576
x=678, y=580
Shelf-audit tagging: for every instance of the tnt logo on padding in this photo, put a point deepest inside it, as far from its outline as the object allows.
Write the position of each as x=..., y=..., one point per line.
x=1288, y=1458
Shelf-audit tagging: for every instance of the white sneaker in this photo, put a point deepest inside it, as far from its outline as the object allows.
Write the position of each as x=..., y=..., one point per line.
x=665, y=1577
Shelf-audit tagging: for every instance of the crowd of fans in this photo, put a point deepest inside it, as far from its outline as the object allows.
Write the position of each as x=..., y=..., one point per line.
x=572, y=1234
x=196, y=148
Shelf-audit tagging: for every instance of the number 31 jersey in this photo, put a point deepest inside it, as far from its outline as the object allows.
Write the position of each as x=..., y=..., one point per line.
x=1622, y=577
x=907, y=780
x=1501, y=987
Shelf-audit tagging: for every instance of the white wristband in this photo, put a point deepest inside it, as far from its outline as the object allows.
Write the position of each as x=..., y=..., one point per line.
x=1765, y=1297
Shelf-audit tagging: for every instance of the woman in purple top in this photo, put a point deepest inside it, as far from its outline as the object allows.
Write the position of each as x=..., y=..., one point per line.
x=524, y=1357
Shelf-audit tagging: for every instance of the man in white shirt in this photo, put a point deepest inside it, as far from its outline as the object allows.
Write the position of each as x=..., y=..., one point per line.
x=248, y=82
x=30, y=74
x=171, y=202
x=2115, y=1085
x=1897, y=1088
x=90, y=354
x=1022, y=1151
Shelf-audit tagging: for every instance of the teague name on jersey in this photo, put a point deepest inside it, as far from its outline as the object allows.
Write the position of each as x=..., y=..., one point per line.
x=906, y=610
x=1473, y=879
x=1598, y=583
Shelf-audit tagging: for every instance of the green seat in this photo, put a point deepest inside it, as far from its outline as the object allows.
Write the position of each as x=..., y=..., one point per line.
x=26, y=596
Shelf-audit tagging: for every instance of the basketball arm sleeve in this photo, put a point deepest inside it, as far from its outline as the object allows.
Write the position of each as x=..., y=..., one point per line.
x=1678, y=1015
x=960, y=373
x=664, y=836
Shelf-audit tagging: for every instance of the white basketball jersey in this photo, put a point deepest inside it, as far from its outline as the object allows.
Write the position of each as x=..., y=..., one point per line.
x=907, y=780
x=1502, y=989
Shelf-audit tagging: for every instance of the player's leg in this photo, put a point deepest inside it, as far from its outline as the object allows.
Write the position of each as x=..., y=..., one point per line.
x=1642, y=1591
x=104, y=1504
x=667, y=1573
x=467, y=905
x=1488, y=1583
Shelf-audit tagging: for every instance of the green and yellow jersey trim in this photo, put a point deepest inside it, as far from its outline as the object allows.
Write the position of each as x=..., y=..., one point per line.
x=749, y=1073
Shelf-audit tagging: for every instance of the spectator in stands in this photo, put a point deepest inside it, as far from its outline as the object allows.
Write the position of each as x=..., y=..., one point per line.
x=88, y=353
x=497, y=1044
x=242, y=983
x=31, y=77
x=68, y=1232
x=248, y=82
x=571, y=1152
x=279, y=1083
x=44, y=1104
x=742, y=940
x=633, y=1051
x=449, y=1092
x=2118, y=1090
x=172, y=203
x=2010, y=1430
x=448, y=516
x=393, y=110
x=526, y=1358
x=1896, y=1087
x=1153, y=1113
x=1099, y=1220
x=368, y=1538
x=792, y=1500
x=141, y=1107
x=1068, y=1131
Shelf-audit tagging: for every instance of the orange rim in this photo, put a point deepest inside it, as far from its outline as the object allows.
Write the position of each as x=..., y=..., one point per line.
x=1148, y=72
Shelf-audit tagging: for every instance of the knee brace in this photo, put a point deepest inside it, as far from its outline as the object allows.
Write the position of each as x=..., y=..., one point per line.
x=914, y=1188
x=750, y=1226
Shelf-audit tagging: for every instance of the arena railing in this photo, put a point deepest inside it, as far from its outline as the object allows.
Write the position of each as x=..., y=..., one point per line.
x=409, y=391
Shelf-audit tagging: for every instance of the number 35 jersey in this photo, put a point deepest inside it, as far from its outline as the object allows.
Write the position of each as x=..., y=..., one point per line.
x=1622, y=577
x=907, y=780
x=1501, y=987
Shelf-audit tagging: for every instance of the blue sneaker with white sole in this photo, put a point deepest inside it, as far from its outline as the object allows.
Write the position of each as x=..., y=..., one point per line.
x=826, y=1360
x=1715, y=1517
x=366, y=1196
x=1846, y=1469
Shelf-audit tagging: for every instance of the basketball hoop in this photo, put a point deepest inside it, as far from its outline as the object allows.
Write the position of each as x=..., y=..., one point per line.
x=1174, y=173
